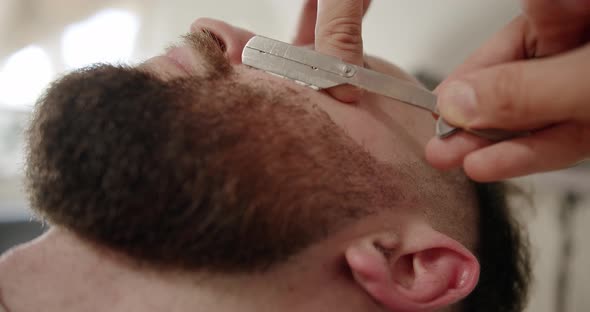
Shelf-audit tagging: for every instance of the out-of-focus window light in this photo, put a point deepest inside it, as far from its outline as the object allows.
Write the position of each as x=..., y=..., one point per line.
x=109, y=36
x=23, y=77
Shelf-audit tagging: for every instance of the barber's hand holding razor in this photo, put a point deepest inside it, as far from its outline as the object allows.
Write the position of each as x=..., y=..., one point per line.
x=534, y=75
x=334, y=27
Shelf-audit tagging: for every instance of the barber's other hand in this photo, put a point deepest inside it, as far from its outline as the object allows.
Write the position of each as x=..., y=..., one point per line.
x=334, y=27
x=505, y=85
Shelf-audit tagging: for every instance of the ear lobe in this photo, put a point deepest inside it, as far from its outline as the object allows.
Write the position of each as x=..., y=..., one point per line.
x=421, y=274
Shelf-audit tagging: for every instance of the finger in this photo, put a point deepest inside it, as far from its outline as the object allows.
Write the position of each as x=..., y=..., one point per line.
x=504, y=46
x=522, y=95
x=552, y=10
x=448, y=153
x=305, y=34
x=577, y=6
x=546, y=27
x=549, y=149
x=339, y=29
x=339, y=33
x=556, y=26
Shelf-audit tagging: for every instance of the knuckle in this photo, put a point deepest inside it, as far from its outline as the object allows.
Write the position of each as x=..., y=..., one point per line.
x=349, y=29
x=344, y=34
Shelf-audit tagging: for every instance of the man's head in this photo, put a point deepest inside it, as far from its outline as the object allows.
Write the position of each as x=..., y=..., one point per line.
x=192, y=162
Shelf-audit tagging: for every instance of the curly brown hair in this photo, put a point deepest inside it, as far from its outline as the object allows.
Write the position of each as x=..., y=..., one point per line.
x=503, y=253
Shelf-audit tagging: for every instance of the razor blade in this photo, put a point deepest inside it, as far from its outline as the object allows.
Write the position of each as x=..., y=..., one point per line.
x=319, y=71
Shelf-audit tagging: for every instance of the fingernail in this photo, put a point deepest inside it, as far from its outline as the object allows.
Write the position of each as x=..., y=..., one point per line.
x=457, y=103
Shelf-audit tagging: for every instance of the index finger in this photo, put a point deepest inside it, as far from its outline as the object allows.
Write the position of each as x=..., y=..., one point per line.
x=305, y=33
x=339, y=33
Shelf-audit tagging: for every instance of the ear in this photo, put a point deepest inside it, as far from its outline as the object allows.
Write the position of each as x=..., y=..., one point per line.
x=418, y=271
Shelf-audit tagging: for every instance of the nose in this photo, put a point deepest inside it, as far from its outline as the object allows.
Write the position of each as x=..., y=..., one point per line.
x=232, y=39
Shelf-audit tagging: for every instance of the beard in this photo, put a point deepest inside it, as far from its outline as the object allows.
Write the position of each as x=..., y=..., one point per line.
x=199, y=173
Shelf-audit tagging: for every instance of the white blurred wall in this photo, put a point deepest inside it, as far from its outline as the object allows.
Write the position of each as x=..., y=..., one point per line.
x=421, y=34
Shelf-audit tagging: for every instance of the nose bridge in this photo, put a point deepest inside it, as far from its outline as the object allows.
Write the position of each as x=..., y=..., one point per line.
x=232, y=38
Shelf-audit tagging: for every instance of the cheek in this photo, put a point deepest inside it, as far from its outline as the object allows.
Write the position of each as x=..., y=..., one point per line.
x=163, y=67
x=421, y=125
x=411, y=124
x=369, y=132
x=374, y=137
x=388, y=133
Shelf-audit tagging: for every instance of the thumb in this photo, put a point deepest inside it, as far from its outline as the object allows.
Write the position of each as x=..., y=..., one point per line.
x=339, y=33
x=521, y=95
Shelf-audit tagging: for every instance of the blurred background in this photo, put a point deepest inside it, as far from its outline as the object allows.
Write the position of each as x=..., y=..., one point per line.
x=42, y=39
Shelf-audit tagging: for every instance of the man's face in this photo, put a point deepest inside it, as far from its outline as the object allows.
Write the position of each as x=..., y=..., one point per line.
x=193, y=154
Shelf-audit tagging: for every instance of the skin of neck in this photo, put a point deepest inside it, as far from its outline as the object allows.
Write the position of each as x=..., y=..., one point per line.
x=69, y=274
